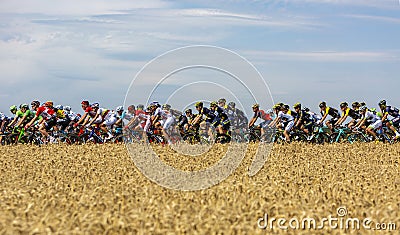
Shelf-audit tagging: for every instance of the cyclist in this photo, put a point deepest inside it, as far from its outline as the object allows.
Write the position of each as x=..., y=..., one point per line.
x=63, y=119
x=325, y=111
x=222, y=103
x=174, y=112
x=258, y=113
x=24, y=115
x=348, y=112
x=4, y=120
x=49, y=116
x=394, y=113
x=121, y=116
x=221, y=120
x=104, y=118
x=161, y=118
x=283, y=120
x=236, y=116
x=369, y=121
x=88, y=113
x=224, y=126
x=304, y=120
x=73, y=117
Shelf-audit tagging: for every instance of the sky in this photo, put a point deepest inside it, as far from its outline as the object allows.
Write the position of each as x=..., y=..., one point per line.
x=306, y=51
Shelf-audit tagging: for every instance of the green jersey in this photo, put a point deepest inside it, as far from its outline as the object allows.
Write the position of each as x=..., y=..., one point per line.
x=28, y=115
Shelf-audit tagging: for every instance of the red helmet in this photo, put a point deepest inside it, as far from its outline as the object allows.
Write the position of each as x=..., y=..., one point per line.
x=85, y=102
x=48, y=104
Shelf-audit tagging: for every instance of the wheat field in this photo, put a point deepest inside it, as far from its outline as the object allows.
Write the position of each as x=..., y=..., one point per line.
x=96, y=189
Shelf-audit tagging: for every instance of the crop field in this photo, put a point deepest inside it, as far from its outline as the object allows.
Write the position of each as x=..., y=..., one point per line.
x=97, y=189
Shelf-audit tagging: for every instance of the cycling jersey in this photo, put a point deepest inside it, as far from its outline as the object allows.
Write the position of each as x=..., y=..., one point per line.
x=164, y=114
x=392, y=111
x=293, y=113
x=304, y=116
x=46, y=112
x=370, y=117
x=208, y=113
x=351, y=113
x=28, y=114
x=285, y=117
x=90, y=111
x=2, y=117
x=103, y=112
x=331, y=111
x=263, y=115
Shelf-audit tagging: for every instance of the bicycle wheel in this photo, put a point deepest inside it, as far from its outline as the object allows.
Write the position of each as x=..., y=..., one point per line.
x=321, y=138
x=357, y=137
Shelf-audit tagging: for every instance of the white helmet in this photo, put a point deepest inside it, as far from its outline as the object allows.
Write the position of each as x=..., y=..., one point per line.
x=119, y=109
x=67, y=108
x=59, y=107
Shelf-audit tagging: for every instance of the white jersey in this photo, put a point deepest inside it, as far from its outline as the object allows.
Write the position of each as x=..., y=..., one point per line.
x=285, y=117
x=164, y=114
x=371, y=117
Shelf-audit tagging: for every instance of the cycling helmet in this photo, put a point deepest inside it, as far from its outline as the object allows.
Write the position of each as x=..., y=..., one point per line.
x=188, y=111
x=280, y=104
x=255, y=106
x=222, y=100
x=362, y=104
x=26, y=106
x=119, y=109
x=232, y=104
x=95, y=105
x=355, y=104
x=35, y=103
x=48, y=103
x=59, y=107
x=166, y=106
x=382, y=103
x=213, y=104
x=297, y=105
x=276, y=107
x=85, y=102
x=199, y=104
x=306, y=109
x=286, y=107
x=343, y=104
x=322, y=104
x=13, y=108
x=363, y=108
x=155, y=103
x=67, y=108
x=140, y=107
x=269, y=111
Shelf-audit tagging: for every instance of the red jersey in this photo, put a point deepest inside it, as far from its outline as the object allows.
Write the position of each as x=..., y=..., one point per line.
x=90, y=111
x=46, y=112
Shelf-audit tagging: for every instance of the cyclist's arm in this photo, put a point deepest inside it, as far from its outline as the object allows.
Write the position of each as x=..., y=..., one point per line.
x=82, y=119
x=324, y=117
x=32, y=121
x=341, y=120
x=252, y=121
x=22, y=119
x=384, y=116
x=13, y=121
x=86, y=120
x=360, y=123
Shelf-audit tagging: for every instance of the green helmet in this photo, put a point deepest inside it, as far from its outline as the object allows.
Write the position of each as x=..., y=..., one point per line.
x=26, y=106
x=13, y=108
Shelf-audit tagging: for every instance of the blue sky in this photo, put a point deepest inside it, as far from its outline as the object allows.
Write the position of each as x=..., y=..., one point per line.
x=306, y=50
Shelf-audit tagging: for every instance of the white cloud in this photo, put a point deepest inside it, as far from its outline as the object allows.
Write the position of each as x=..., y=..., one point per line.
x=323, y=56
x=76, y=7
x=377, y=18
